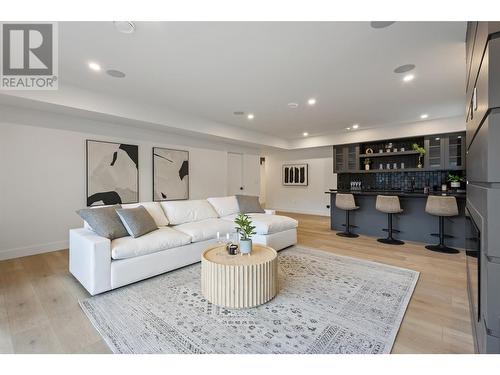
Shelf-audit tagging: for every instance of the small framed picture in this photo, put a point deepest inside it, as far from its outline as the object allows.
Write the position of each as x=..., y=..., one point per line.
x=295, y=175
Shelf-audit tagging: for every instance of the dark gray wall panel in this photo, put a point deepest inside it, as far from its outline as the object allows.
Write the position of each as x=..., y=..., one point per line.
x=483, y=157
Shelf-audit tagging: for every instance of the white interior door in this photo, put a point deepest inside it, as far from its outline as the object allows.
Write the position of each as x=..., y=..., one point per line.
x=234, y=173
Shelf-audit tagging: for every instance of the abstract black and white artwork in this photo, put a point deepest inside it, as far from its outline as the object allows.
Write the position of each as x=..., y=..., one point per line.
x=295, y=175
x=112, y=173
x=170, y=174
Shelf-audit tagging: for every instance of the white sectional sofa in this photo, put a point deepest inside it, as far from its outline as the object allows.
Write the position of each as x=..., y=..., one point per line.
x=185, y=230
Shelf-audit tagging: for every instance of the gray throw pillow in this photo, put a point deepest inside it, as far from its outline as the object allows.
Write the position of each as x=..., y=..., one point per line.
x=137, y=221
x=104, y=221
x=249, y=204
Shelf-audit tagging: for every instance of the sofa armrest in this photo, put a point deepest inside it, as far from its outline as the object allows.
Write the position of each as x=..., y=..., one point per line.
x=270, y=212
x=90, y=260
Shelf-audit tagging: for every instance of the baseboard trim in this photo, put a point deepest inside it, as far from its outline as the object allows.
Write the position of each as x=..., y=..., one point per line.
x=33, y=250
x=304, y=212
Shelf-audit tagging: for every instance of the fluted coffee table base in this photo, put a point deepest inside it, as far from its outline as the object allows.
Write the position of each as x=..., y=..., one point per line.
x=239, y=281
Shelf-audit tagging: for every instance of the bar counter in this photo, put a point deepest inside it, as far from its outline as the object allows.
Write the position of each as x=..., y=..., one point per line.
x=413, y=223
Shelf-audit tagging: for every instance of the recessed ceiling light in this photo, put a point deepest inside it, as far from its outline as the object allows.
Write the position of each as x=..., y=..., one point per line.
x=311, y=101
x=126, y=27
x=355, y=126
x=381, y=24
x=115, y=73
x=408, y=77
x=94, y=66
x=305, y=134
x=424, y=116
x=347, y=128
x=250, y=116
x=293, y=105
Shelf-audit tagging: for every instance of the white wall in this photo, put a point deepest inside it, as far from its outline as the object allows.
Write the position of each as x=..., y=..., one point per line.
x=309, y=199
x=42, y=182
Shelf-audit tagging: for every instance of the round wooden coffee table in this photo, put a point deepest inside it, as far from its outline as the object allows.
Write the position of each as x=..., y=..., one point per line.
x=239, y=281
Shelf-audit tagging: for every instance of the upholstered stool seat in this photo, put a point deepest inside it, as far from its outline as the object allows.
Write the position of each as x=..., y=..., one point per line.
x=346, y=202
x=442, y=206
x=389, y=204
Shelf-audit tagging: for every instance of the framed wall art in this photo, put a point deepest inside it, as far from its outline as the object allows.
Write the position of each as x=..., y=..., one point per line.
x=170, y=174
x=112, y=173
x=295, y=175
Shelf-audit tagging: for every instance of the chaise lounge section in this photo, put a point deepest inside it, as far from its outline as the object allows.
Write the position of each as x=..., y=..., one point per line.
x=185, y=230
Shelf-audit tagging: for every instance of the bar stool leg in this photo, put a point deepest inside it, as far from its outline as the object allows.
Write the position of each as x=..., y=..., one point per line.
x=390, y=240
x=441, y=247
x=347, y=232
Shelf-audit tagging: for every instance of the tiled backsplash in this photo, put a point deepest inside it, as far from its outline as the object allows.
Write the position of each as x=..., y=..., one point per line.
x=396, y=180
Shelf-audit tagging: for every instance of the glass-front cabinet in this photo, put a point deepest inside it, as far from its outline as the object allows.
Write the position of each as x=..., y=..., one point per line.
x=352, y=157
x=455, y=151
x=346, y=158
x=445, y=151
x=434, y=156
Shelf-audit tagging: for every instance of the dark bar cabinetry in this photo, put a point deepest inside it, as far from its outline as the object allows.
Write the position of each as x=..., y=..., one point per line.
x=443, y=152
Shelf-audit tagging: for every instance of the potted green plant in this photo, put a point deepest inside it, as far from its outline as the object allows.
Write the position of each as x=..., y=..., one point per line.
x=367, y=164
x=246, y=231
x=421, y=152
x=454, y=180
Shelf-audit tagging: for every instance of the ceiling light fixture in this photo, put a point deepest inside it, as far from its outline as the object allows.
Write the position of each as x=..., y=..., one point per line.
x=355, y=126
x=381, y=24
x=424, y=116
x=305, y=134
x=293, y=105
x=347, y=128
x=115, y=73
x=408, y=77
x=404, y=68
x=250, y=116
x=311, y=101
x=94, y=66
x=126, y=27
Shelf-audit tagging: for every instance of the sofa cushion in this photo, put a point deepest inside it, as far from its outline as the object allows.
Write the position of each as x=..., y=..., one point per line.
x=154, y=210
x=249, y=204
x=267, y=224
x=158, y=240
x=137, y=221
x=224, y=205
x=206, y=229
x=180, y=212
x=104, y=221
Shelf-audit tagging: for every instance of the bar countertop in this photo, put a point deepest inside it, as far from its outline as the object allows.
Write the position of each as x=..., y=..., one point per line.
x=399, y=193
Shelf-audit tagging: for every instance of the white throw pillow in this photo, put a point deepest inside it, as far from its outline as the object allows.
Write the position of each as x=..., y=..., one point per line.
x=154, y=209
x=180, y=212
x=225, y=205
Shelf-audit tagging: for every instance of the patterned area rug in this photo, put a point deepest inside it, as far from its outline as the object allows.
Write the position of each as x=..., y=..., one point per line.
x=326, y=304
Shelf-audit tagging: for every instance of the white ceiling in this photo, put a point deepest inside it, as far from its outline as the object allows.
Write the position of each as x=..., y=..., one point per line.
x=211, y=69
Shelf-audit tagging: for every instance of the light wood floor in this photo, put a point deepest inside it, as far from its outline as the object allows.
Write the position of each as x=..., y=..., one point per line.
x=39, y=311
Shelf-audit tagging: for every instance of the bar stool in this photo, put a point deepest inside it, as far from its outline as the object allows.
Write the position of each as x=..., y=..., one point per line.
x=442, y=206
x=346, y=202
x=390, y=205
